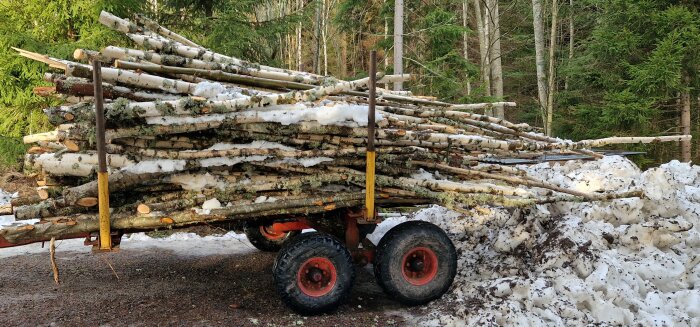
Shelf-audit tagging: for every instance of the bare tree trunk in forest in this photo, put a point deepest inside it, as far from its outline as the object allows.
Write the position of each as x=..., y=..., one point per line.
x=324, y=35
x=317, y=37
x=343, y=55
x=156, y=9
x=465, y=40
x=538, y=25
x=686, y=146
x=571, y=40
x=483, y=49
x=292, y=51
x=495, y=56
x=398, y=42
x=300, y=65
x=552, y=73
x=386, y=53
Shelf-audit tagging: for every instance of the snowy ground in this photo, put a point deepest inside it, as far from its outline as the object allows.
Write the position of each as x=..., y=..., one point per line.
x=626, y=262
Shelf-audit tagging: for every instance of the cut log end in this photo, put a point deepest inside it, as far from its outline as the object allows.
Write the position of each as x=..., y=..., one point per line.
x=72, y=146
x=45, y=91
x=6, y=209
x=79, y=54
x=143, y=209
x=43, y=193
x=87, y=202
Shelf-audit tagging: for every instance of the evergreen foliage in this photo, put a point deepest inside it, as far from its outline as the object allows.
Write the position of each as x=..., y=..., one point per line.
x=55, y=28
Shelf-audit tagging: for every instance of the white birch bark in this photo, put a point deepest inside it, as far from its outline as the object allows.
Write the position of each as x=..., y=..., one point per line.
x=483, y=49
x=538, y=25
x=398, y=41
x=495, y=55
x=552, y=68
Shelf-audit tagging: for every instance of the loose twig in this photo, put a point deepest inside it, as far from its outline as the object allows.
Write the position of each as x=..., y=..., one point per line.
x=54, y=266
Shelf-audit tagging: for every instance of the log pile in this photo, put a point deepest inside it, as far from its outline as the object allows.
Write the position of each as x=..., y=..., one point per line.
x=196, y=136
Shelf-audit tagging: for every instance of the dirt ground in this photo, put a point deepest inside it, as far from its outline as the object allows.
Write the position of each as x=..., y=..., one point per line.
x=17, y=182
x=160, y=287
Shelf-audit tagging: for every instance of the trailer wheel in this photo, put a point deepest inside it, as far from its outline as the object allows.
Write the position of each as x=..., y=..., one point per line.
x=416, y=262
x=264, y=239
x=314, y=273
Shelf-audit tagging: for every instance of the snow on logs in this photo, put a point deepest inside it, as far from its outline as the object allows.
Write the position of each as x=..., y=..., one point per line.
x=186, y=125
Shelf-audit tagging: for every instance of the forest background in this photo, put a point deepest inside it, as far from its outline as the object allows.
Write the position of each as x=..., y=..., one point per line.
x=578, y=68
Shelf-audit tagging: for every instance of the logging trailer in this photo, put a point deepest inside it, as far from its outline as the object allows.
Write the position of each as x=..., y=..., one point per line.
x=414, y=262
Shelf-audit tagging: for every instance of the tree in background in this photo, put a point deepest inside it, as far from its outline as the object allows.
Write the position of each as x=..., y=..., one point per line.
x=638, y=63
x=52, y=27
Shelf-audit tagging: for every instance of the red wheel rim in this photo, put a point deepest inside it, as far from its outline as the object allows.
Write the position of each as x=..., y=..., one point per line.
x=316, y=277
x=270, y=235
x=419, y=266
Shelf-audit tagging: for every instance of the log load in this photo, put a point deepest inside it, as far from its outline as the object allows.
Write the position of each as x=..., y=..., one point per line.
x=196, y=136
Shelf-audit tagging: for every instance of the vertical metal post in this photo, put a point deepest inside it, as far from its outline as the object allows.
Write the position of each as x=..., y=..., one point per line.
x=102, y=177
x=371, y=154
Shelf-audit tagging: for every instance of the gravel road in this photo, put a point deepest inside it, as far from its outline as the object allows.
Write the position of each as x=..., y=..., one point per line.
x=170, y=284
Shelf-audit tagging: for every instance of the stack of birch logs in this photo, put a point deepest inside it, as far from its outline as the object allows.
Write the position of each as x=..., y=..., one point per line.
x=195, y=136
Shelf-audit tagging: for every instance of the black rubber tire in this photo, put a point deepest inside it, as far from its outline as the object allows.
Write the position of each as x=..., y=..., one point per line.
x=294, y=254
x=398, y=241
x=261, y=242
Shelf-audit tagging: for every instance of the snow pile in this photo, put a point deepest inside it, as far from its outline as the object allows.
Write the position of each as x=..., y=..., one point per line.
x=339, y=114
x=251, y=145
x=217, y=92
x=306, y=162
x=265, y=199
x=196, y=182
x=229, y=161
x=183, y=244
x=208, y=89
x=156, y=166
x=626, y=262
x=336, y=114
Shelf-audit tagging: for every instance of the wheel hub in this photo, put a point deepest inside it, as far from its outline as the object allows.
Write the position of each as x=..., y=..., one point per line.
x=271, y=235
x=316, y=277
x=419, y=265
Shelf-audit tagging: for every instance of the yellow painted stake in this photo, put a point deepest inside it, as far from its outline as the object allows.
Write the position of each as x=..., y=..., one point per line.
x=371, y=154
x=103, y=203
x=102, y=176
x=369, y=184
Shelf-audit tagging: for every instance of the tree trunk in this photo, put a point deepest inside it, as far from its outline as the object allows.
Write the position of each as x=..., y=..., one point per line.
x=485, y=63
x=317, y=36
x=324, y=36
x=552, y=73
x=180, y=61
x=686, y=146
x=571, y=40
x=465, y=41
x=343, y=55
x=83, y=87
x=386, y=53
x=398, y=41
x=538, y=24
x=155, y=27
x=147, y=81
x=300, y=63
x=214, y=75
x=495, y=56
